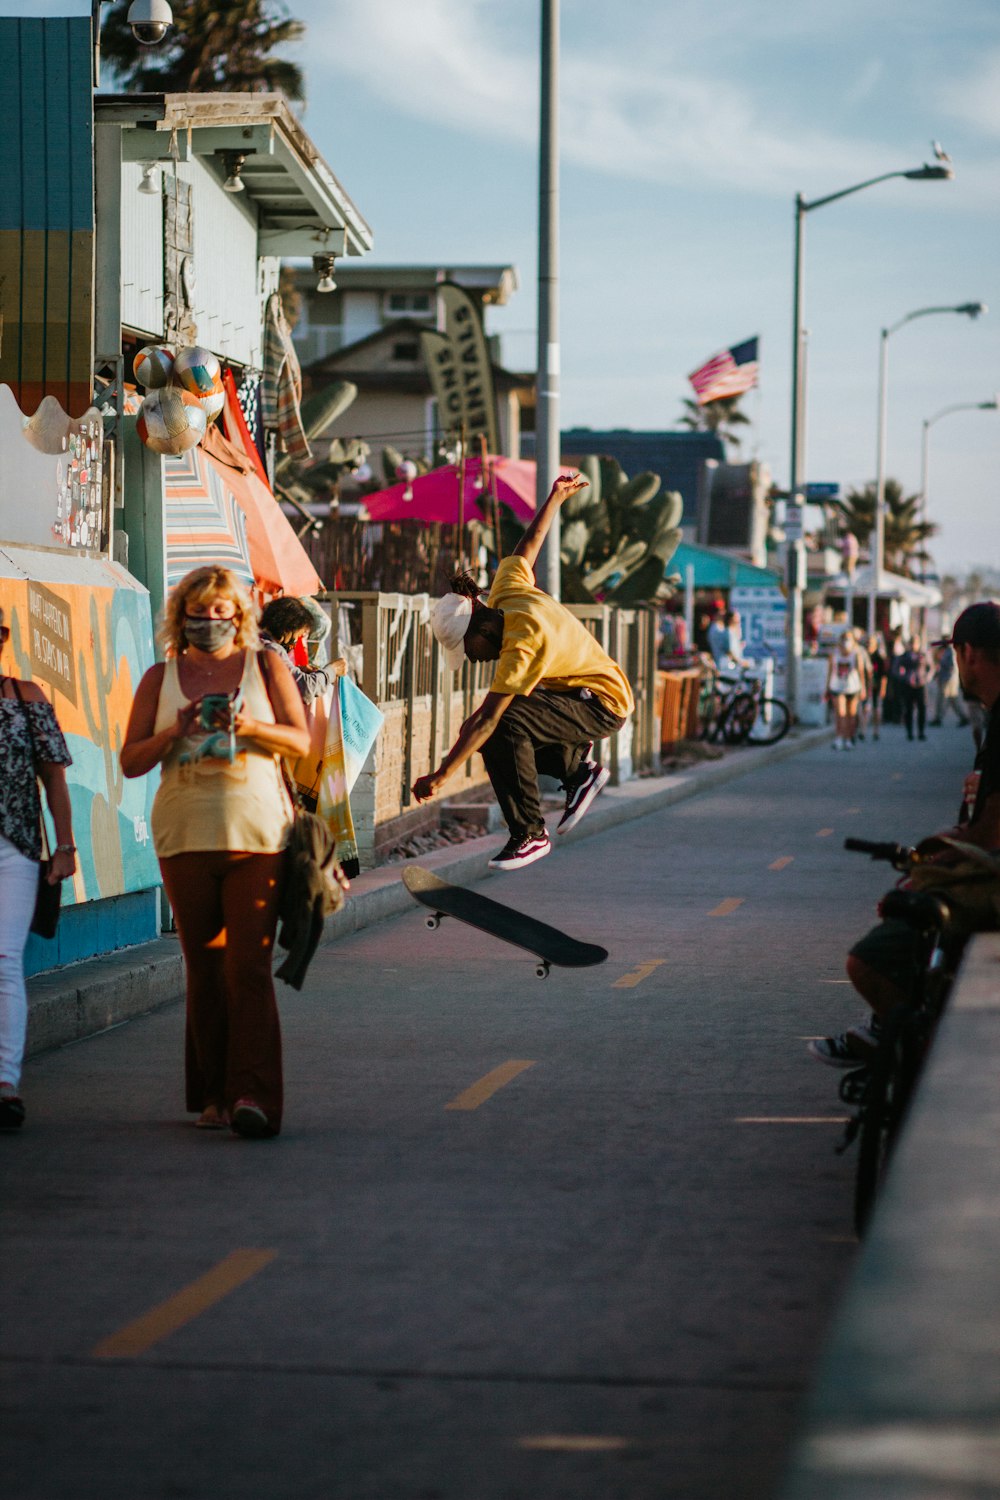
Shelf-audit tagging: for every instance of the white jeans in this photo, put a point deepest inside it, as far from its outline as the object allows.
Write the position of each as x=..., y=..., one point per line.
x=18, y=890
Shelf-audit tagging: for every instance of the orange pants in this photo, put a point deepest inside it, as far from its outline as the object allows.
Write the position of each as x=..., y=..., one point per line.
x=226, y=907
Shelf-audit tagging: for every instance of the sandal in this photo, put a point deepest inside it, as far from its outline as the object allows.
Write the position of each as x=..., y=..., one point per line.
x=249, y=1120
x=212, y=1118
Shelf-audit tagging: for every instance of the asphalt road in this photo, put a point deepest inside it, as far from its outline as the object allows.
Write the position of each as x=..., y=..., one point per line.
x=521, y=1239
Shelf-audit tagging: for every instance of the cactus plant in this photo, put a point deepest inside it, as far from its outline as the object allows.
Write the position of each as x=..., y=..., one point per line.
x=619, y=536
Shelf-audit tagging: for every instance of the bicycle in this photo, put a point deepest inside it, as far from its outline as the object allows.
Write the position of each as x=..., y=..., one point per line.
x=881, y=1090
x=736, y=712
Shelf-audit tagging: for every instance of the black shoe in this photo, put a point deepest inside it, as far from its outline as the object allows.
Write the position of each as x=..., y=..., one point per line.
x=517, y=853
x=589, y=780
x=923, y=736
x=11, y=1111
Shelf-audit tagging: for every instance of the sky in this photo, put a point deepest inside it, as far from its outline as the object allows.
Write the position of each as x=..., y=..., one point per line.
x=686, y=132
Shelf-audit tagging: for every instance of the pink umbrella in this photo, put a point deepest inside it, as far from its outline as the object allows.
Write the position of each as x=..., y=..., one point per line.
x=434, y=496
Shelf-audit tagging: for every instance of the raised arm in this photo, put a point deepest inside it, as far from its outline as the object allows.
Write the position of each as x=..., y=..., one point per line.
x=531, y=543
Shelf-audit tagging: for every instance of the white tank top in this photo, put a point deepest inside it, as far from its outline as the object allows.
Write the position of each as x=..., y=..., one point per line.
x=206, y=801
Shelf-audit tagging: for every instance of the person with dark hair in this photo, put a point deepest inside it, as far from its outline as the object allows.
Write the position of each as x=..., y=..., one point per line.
x=287, y=620
x=882, y=966
x=555, y=692
x=32, y=750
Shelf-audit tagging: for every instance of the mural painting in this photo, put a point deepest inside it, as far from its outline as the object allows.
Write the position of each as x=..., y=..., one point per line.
x=87, y=644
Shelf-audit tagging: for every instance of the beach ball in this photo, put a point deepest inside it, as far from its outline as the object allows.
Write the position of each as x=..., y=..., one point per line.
x=199, y=372
x=153, y=366
x=171, y=421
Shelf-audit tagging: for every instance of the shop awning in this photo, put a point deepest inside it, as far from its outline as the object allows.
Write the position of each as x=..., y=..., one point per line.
x=891, y=586
x=719, y=570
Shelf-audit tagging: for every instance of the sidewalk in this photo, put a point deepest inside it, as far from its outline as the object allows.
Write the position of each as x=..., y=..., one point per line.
x=66, y=1005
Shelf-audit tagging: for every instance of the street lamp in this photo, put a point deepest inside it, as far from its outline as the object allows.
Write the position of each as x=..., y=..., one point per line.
x=928, y=423
x=967, y=309
x=937, y=172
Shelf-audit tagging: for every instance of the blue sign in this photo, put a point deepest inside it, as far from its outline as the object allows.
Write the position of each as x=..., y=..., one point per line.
x=822, y=491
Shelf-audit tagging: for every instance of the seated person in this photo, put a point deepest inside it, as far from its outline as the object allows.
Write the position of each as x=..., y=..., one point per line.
x=287, y=620
x=883, y=965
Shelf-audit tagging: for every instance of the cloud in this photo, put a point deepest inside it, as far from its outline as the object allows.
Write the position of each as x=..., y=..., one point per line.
x=452, y=62
x=975, y=99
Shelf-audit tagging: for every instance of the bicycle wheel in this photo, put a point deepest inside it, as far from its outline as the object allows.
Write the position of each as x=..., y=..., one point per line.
x=771, y=723
x=890, y=1085
x=738, y=719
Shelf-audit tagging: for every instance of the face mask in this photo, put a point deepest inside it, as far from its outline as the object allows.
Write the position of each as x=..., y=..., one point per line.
x=207, y=634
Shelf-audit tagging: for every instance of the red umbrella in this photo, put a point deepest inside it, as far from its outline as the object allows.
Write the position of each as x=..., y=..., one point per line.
x=435, y=496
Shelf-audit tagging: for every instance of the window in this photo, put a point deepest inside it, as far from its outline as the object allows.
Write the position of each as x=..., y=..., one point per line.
x=410, y=350
x=402, y=304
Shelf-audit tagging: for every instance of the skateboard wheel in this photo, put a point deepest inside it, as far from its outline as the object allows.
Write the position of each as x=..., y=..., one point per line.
x=542, y=970
x=434, y=921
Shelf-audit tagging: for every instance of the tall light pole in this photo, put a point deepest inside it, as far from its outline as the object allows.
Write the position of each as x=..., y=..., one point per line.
x=928, y=423
x=547, y=383
x=928, y=173
x=967, y=309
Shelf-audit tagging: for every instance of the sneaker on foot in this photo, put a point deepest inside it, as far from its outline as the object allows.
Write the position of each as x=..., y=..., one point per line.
x=517, y=853
x=11, y=1108
x=590, y=779
x=851, y=1049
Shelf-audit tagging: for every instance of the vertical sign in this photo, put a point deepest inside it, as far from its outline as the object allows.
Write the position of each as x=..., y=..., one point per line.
x=50, y=640
x=460, y=368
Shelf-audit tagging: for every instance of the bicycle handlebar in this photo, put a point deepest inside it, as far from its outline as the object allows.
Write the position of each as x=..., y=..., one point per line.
x=899, y=855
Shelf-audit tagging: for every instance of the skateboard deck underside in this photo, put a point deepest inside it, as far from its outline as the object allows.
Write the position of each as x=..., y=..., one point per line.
x=500, y=921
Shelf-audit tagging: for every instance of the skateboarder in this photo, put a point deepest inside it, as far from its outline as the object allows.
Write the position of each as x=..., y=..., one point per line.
x=555, y=691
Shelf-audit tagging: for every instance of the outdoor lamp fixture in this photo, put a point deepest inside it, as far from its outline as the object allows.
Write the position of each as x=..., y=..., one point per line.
x=928, y=423
x=324, y=266
x=234, y=161
x=971, y=310
x=150, y=20
x=149, y=184
x=939, y=171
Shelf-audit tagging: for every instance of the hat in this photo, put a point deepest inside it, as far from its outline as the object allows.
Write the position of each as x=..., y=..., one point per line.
x=979, y=625
x=450, y=618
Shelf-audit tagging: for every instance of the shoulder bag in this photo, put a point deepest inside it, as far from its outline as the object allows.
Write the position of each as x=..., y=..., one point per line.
x=48, y=901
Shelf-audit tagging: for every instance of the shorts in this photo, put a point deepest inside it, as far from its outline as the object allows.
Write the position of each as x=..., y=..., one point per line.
x=892, y=949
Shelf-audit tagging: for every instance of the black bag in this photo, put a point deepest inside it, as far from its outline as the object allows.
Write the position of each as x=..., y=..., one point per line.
x=48, y=902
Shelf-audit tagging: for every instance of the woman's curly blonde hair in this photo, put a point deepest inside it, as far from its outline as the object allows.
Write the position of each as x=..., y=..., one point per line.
x=201, y=586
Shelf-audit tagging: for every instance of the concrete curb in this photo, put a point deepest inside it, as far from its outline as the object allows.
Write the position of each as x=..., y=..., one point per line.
x=66, y=1005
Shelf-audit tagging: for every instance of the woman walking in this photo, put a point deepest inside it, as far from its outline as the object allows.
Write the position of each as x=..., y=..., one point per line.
x=219, y=716
x=914, y=670
x=32, y=748
x=878, y=682
x=844, y=687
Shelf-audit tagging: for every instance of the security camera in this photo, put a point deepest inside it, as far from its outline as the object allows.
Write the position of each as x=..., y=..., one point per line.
x=150, y=20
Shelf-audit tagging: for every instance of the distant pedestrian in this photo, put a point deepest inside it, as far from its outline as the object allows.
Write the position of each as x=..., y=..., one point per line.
x=218, y=716
x=913, y=671
x=32, y=749
x=878, y=677
x=844, y=687
x=945, y=688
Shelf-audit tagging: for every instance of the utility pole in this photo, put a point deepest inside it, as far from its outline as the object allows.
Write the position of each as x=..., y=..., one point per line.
x=547, y=438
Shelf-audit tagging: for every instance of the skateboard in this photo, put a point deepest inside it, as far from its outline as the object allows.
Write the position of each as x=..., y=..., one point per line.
x=548, y=944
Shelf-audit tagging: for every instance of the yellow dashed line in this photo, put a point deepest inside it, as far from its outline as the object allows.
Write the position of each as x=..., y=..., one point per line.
x=779, y=864
x=725, y=907
x=629, y=981
x=477, y=1093
x=823, y=833
x=140, y=1335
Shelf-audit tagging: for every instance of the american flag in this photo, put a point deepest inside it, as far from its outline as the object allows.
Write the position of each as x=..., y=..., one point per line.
x=727, y=374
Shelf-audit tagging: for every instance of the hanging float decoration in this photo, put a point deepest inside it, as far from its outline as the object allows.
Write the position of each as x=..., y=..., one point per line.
x=184, y=393
x=171, y=421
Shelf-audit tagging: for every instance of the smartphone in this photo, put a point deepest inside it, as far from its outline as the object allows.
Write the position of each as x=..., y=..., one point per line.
x=216, y=710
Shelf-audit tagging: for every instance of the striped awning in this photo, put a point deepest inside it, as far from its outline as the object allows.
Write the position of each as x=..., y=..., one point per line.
x=205, y=524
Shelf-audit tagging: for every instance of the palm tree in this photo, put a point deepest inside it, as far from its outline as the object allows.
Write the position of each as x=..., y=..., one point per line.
x=719, y=416
x=211, y=46
x=905, y=535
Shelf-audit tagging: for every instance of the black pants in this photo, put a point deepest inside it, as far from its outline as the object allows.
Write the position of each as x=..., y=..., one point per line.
x=542, y=732
x=915, y=698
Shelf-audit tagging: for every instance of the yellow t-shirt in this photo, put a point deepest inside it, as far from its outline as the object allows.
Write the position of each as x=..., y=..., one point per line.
x=545, y=646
